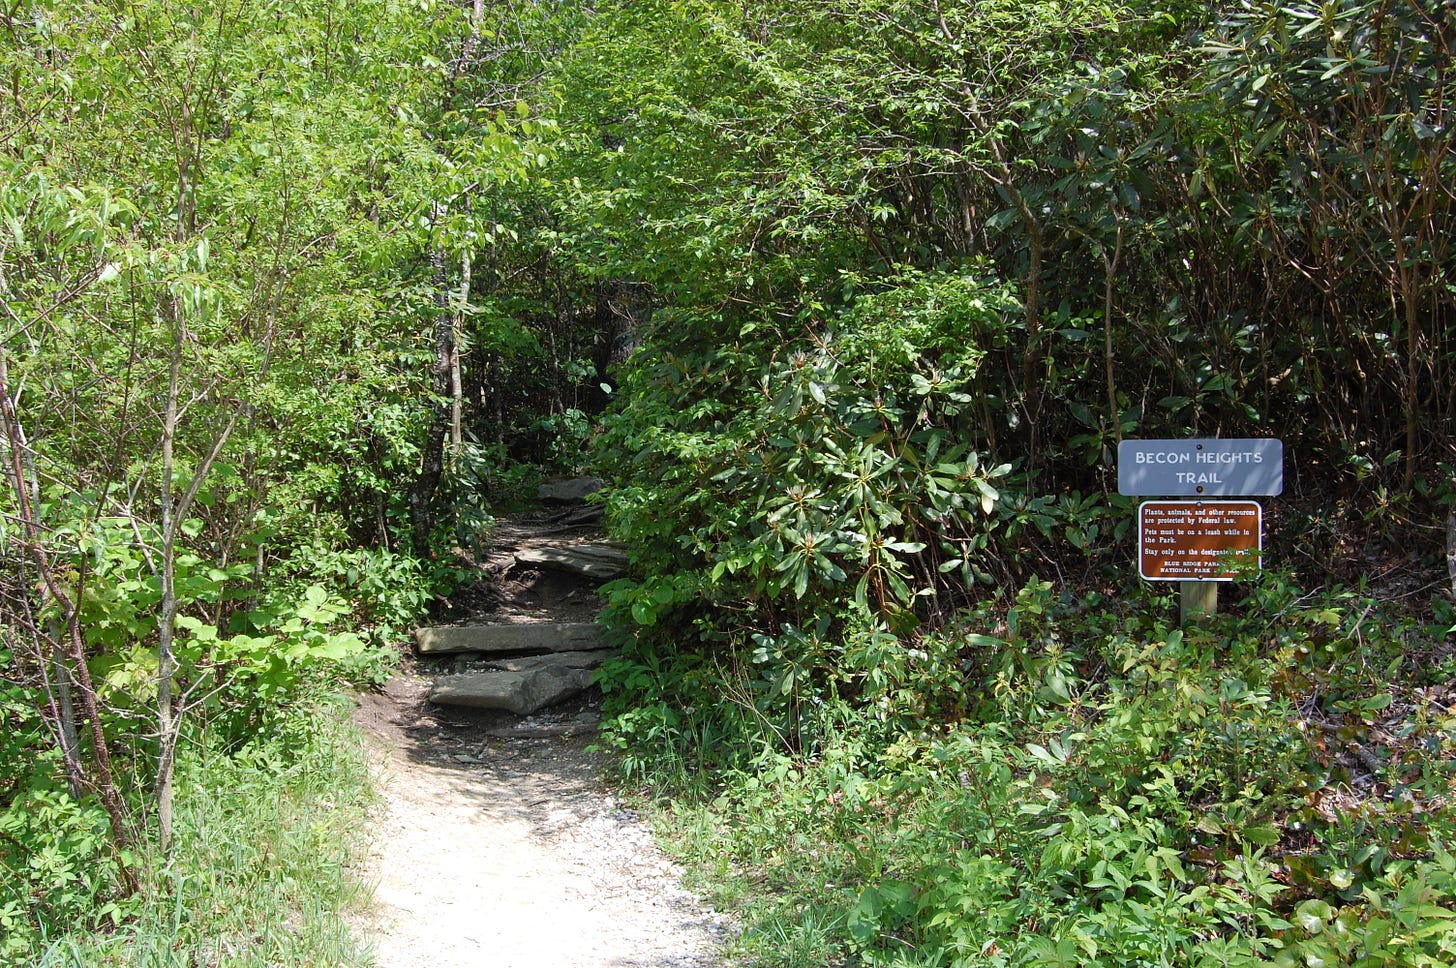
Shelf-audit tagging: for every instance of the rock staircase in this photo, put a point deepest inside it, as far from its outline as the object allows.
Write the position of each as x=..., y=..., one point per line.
x=538, y=644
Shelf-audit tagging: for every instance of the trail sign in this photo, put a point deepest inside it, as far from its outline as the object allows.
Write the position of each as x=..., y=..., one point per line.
x=1190, y=541
x=1208, y=467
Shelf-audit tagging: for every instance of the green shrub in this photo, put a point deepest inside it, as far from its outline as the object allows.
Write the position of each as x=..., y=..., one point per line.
x=824, y=506
x=1123, y=793
x=263, y=868
x=57, y=868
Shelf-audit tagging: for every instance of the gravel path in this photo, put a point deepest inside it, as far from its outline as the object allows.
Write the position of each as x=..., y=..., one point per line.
x=499, y=847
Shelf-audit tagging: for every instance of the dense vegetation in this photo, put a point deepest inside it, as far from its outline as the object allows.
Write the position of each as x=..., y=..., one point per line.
x=226, y=468
x=852, y=303
x=921, y=266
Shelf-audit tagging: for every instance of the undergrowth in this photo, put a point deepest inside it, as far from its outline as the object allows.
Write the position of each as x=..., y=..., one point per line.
x=889, y=740
x=262, y=871
x=1272, y=788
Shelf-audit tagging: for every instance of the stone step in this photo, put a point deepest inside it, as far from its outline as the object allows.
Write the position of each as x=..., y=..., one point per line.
x=525, y=663
x=568, y=490
x=522, y=692
x=528, y=637
x=591, y=559
x=588, y=721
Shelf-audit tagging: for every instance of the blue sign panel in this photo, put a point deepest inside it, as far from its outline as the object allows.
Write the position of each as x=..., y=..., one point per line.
x=1210, y=467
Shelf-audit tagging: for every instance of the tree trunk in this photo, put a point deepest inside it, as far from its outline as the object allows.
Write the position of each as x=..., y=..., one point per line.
x=173, y=511
x=66, y=713
x=1451, y=551
x=105, y=783
x=167, y=611
x=1109, y=264
x=457, y=325
x=1410, y=295
x=432, y=464
x=1000, y=172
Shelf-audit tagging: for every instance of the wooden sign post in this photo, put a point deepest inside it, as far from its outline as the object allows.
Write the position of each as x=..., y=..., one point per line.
x=1200, y=543
x=1196, y=598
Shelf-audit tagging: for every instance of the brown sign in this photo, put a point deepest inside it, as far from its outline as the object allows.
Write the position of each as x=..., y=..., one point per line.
x=1199, y=540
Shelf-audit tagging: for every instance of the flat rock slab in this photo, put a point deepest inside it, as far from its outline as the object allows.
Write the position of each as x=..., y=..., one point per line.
x=530, y=637
x=587, y=723
x=591, y=559
x=559, y=660
x=567, y=490
x=518, y=692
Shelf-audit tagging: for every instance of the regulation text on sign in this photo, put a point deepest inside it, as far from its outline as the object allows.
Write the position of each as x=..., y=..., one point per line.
x=1199, y=540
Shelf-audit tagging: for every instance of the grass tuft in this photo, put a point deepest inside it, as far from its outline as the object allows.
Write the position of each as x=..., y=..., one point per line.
x=268, y=840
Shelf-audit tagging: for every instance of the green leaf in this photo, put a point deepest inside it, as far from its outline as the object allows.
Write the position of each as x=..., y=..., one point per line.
x=1042, y=753
x=1313, y=915
x=643, y=613
x=1263, y=836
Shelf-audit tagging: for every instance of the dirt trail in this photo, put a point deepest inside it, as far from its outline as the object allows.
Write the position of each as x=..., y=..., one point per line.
x=510, y=853
x=499, y=846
